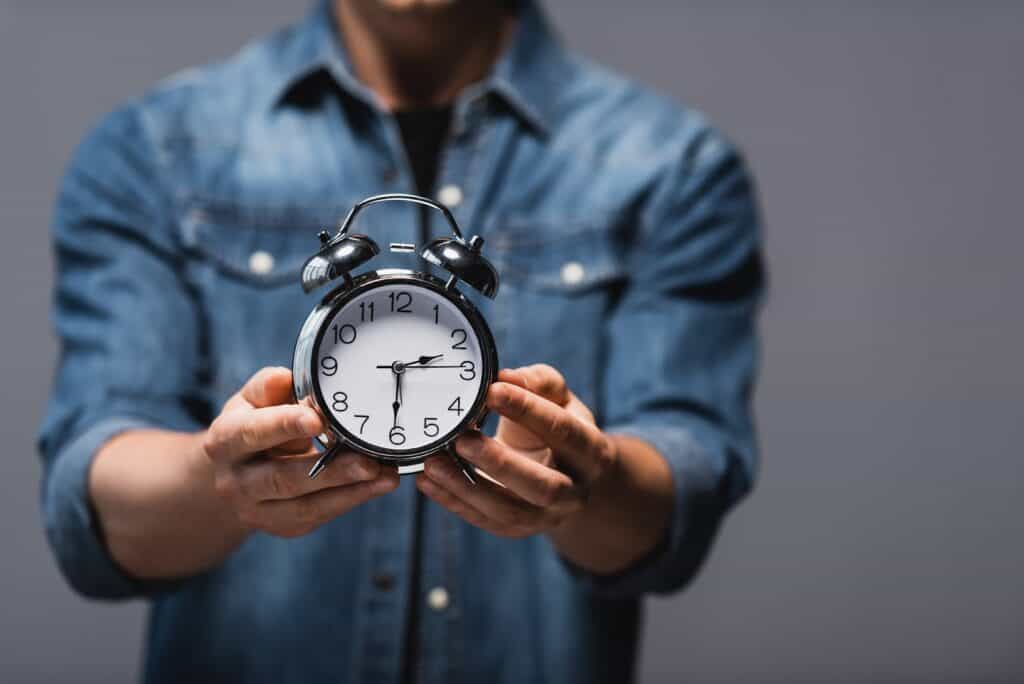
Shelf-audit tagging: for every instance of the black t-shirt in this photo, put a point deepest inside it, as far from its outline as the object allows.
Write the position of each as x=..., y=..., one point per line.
x=423, y=135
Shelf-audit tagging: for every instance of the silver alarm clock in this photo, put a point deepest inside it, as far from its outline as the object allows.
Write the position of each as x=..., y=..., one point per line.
x=397, y=362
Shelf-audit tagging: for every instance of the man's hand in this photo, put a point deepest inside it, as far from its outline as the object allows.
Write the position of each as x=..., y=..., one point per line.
x=547, y=456
x=603, y=500
x=261, y=449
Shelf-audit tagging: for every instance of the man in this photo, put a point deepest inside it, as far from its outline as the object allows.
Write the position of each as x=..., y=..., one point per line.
x=625, y=232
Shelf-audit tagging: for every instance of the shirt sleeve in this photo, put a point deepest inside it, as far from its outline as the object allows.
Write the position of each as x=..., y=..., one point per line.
x=683, y=353
x=130, y=348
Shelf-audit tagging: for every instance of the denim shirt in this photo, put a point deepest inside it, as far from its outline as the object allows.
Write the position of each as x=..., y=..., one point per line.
x=625, y=232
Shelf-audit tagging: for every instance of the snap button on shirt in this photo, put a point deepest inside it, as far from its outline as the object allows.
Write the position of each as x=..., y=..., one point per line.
x=438, y=599
x=261, y=263
x=573, y=272
x=450, y=196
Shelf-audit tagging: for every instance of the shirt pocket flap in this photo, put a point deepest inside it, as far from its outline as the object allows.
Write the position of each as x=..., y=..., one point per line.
x=554, y=259
x=263, y=247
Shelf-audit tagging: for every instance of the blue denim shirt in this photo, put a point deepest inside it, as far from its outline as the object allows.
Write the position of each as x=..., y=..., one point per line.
x=625, y=231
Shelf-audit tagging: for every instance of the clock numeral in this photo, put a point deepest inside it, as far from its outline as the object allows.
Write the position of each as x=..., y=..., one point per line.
x=461, y=344
x=456, y=406
x=362, y=426
x=329, y=365
x=430, y=427
x=346, y=334
x=397, y=435
x=435, y=314
x=468, y=370
x=340, y=403
x=363, y=308
x=400, y=302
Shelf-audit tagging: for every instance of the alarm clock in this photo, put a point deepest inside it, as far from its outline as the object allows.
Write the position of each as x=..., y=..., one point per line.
x=396, y=361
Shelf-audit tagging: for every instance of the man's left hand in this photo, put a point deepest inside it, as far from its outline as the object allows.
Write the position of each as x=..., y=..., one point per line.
x=539, y=468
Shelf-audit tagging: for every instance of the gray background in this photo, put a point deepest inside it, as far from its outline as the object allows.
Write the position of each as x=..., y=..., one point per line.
x=884, y=541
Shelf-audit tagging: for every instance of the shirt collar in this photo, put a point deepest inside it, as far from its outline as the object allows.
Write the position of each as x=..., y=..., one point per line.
x=527, y=76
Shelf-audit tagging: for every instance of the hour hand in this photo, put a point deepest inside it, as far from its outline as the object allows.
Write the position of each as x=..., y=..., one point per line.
x=418, y=362
x=424, y=359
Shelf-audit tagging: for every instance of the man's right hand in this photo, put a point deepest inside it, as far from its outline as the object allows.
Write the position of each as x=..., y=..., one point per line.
x=261, y=449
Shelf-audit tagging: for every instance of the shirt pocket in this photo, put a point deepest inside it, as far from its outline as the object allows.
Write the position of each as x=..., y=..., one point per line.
x=244, y=265
x=560, y=283
x=260, y=247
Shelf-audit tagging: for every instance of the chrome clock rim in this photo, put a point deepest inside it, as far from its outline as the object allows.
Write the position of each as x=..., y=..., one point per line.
x=306, y=382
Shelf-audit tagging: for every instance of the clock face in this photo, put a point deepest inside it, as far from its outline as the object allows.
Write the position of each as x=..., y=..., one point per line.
x=399, y=369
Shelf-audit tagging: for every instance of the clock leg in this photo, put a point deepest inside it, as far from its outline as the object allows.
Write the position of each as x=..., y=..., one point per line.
x=467, y=468
x=324, y=460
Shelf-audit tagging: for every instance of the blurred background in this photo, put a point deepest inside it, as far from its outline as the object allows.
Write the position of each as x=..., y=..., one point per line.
x=885, y=539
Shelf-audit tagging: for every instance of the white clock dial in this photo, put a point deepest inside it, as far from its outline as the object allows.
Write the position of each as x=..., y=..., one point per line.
x=399, y=368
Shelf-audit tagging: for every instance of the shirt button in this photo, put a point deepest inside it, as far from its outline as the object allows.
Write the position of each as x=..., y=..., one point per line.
x=573, y=272
x=450, y=196
x=437, y=598
x=384, y=581
x=261, y=263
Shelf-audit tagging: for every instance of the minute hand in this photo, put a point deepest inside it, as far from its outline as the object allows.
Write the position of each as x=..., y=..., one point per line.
x=398, y=399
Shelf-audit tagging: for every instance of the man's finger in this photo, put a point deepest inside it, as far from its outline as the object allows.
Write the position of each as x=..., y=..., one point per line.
x=541, y=379
x=294, y=517
x=238, y=434
x=450, y=502
x=300, y=446
x=268, y=387
x=540, y=485
x=491, y=499
x=582, y=445
x=288, y=478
